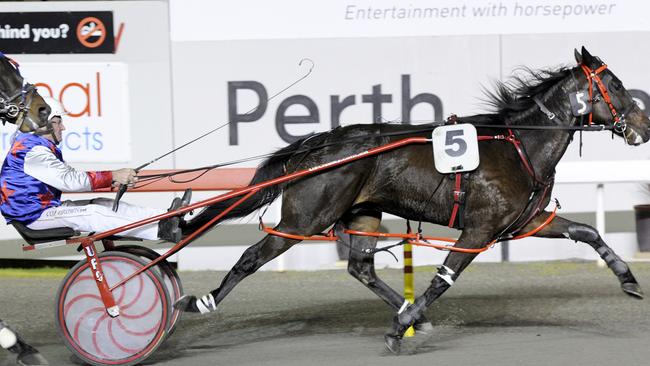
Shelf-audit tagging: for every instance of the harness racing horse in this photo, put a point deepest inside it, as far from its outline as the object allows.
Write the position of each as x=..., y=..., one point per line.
x=504, y=196
x=20, y=103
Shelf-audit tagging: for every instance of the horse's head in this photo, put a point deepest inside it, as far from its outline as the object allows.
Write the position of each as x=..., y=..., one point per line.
x=20, y=103
x=611, y=103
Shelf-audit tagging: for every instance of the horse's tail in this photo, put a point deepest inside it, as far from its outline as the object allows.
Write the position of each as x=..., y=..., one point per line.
x=272, y=167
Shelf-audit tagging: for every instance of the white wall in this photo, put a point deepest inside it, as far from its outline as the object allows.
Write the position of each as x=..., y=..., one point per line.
x=179, y=70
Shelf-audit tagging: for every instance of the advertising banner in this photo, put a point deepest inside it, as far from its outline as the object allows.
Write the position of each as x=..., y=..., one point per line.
x=365, y=80
x=96, y=97
x=57, y=32
x=380, y=62
x=197, y=20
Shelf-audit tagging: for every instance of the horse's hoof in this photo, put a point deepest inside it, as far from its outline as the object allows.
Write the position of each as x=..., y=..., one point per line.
x=28, y=355
x=424, y=328
x=31, y=358
x=186, y=303
x=393, y=344
x=632, y=289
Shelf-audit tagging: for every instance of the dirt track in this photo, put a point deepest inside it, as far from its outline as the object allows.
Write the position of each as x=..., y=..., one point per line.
x=496, y=314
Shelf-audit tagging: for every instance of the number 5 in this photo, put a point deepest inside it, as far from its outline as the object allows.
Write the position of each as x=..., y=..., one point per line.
x=583, y=105
x=453, y=137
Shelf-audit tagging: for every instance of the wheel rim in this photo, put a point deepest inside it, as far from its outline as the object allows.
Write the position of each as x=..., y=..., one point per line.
x=98, y=337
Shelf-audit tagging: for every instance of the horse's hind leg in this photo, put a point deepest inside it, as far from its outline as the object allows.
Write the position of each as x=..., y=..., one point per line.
x=253, y=258
x=361, y=265
x=304, y=212
x=308, y=206
x=563, y=228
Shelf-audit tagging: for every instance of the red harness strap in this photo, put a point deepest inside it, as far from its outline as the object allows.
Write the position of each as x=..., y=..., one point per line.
x=517, y=144
x=459, y=199
x=459, y=194
x=459, y=203
x=412, y=238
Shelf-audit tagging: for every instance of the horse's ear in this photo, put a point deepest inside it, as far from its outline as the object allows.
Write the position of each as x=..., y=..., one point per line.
x=578, y=56
x=588, y=59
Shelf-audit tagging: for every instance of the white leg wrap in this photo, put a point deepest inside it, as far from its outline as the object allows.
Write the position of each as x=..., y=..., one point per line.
x=206, y=304
x=449, y=270
x=446, y=274
x=446, y=278
x=404, y=306
x=7, y=338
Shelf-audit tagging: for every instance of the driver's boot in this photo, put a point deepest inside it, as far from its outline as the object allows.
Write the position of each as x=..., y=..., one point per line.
x=168, y=229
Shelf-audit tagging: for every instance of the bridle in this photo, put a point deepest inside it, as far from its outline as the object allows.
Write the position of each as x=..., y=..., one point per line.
x=15, y=108
x=619, y=123
x=18, y=111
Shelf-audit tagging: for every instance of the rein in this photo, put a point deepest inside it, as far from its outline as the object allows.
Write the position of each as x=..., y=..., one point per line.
x=123, y=187
x=205, y=169
x=619, y=125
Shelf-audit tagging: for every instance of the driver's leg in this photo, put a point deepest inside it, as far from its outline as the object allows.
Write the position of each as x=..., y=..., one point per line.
x=98, y=217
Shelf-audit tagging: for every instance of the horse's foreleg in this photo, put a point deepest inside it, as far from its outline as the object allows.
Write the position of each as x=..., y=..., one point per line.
x=253, y=258
x=361, y=265
x=447, y=274
x=563, y=228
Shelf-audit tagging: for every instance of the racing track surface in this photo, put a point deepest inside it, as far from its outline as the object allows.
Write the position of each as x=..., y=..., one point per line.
x=496, y=314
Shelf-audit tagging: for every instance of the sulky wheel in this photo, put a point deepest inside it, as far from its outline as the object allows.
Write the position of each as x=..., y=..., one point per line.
x=168, y=274
x=87, y=329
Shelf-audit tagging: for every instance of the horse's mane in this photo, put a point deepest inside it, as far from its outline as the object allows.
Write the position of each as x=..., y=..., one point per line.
x=515, y=95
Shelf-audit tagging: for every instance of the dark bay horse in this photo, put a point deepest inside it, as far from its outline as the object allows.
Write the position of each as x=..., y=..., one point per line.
x=505, y=195
x=20, y=103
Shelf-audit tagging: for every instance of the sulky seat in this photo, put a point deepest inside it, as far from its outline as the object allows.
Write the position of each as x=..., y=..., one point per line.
x=37, y=239
x=32, y=236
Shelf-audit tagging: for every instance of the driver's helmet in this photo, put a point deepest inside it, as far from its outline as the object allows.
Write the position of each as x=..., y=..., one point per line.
x=56, y=108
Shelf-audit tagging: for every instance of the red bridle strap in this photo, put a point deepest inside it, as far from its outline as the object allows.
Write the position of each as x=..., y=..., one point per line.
x=592, y=75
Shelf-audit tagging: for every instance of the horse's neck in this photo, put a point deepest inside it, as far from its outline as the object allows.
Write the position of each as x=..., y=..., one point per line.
x=545, y=148
x=9, y=79
x=10, y=85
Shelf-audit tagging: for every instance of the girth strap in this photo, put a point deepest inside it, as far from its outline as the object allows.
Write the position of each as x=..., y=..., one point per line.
x=533, y=208
x=459, y=203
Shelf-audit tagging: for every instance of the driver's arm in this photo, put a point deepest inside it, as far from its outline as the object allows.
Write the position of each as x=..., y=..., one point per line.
x=42, y=164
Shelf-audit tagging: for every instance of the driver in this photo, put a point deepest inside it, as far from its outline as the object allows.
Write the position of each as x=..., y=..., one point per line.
x=34, y=174
x=27, y=355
